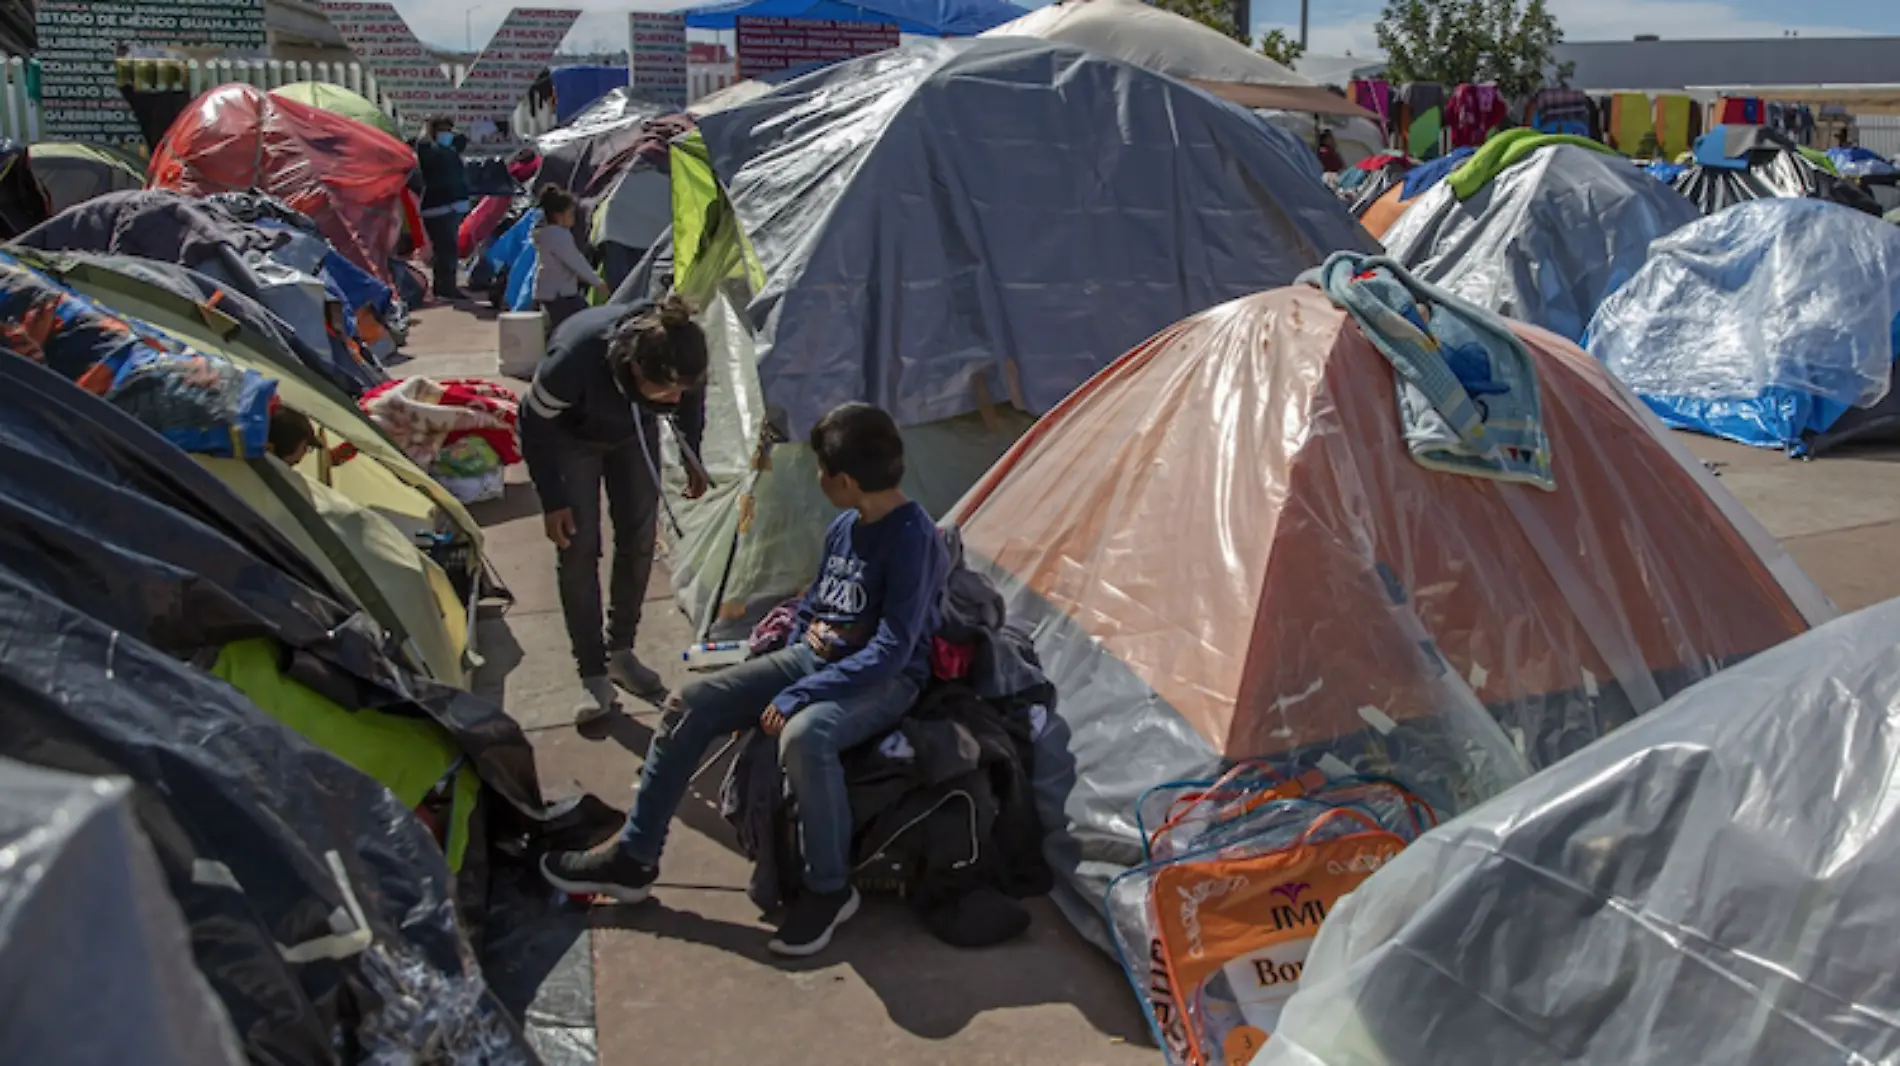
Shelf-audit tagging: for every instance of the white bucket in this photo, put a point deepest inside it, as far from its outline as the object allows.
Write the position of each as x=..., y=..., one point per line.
x=524, y=338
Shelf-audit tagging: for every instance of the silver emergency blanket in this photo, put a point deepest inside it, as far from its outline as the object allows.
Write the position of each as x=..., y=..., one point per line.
x=1711, y=884
x=928, y=213
x=95, y=959
x=1544, y=242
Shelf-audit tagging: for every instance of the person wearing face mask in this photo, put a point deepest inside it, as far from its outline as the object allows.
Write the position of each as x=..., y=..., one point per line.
x=592, y=420
x=444, y=200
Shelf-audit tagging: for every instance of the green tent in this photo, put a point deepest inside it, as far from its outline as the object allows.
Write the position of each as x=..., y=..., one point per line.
x=73, y=173
x=339, y=101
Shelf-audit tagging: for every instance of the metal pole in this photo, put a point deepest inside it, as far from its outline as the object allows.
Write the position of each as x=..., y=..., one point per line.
x=1303, y=13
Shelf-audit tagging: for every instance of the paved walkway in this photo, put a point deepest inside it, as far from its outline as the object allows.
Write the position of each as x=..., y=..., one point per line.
x=686, y=978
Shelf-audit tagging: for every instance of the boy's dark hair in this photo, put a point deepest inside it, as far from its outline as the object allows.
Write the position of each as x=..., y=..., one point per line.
x=290, y=432
x=664, y=343
x=441, y=124
x=862, y=441
x=552, y=200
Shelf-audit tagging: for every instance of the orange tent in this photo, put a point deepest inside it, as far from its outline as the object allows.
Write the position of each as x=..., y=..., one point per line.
x=1225, y=551
x=348, y=177
x=1385, y=211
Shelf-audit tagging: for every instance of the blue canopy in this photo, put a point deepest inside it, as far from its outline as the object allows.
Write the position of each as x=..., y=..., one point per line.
x=577, y=87
x=929, y=18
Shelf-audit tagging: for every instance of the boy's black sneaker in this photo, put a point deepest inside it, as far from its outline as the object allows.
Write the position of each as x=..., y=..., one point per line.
x=606, y=871
x=814, y=917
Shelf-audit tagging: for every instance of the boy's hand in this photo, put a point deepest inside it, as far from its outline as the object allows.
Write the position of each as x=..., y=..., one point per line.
x=818, y=637
x=696, y=481
x=771, y=722
x=560, y=527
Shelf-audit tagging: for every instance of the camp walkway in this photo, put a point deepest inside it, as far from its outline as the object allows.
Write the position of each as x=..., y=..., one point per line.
x=686, y=978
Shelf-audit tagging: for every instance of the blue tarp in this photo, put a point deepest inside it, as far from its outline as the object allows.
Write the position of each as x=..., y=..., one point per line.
x=1858, y=162
x=576, y=88
x=514, y=252
x=1422, y=178
x=1763, y=323
x=930, y=18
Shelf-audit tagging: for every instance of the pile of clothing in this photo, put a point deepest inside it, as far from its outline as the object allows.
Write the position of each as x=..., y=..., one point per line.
x=943, y=808
x=463, y=431
x=1238, y=875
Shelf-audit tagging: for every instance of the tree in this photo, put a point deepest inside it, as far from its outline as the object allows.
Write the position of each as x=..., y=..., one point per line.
x=1214, y=14
x=1511, y=43
x=1282, y=49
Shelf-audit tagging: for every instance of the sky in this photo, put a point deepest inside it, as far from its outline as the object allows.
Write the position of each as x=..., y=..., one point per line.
x=1338, y=26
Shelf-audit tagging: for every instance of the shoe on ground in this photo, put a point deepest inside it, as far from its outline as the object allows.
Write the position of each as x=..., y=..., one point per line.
x=605, y=871
x=600, y=701
x=813, y=918
x=627, y=671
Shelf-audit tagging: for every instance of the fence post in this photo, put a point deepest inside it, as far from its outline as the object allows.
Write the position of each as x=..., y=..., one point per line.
x=13, y=119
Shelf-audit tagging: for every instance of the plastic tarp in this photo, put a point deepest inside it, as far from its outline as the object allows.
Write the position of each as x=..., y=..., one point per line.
x=1156, y=39
x=930, y=18
x=1544, y=242
x=583, y=154
x=1763, y=324
x=338, y=100
x=1712, y=884
x=1735, y=164
x=348, y=177
x=576, y=88
x=74, y=173
x=970, y=306
x=1858, y=162
x=95, y=963
x=1224, y=551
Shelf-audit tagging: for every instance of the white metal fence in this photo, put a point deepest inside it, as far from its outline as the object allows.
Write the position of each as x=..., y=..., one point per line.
x=1880, y=133
x=19, y=110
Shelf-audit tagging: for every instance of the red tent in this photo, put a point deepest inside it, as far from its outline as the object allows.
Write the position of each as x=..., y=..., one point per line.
x=348, y=177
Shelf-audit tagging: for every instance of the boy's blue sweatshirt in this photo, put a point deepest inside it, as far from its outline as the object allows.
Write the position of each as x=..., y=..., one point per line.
x=880, y=587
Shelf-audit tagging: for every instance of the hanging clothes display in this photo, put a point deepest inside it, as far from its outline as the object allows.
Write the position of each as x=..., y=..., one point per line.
x=1562, y=111
x=1423, y=110
x=1474, y=111
x=1739, y=111
x=1675, y=118
x=1375, y=95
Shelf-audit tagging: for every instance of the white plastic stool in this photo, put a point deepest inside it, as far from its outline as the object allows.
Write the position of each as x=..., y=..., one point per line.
x=524, y=338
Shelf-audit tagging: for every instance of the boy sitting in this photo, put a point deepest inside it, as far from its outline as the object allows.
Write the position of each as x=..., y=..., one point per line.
x=858, y=659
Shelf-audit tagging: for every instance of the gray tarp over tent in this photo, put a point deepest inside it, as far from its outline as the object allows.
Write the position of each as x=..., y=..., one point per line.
x=1544, y=242
x=1711, y=884
x=962, y=232
x=95, y=960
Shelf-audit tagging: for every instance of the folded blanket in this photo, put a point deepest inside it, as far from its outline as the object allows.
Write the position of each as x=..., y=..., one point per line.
x=1467, y=388
x=1505, y=150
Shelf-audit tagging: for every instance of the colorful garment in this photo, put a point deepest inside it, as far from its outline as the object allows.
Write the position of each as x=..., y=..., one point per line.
x=423, y=416
x=1474, y=111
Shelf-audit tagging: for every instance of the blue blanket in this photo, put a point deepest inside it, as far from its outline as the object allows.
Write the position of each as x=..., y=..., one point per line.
x=1467, y=387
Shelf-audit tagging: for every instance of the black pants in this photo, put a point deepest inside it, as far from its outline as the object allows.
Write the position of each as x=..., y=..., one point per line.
x=561, y=310
x=633, y=503
x=445, y=232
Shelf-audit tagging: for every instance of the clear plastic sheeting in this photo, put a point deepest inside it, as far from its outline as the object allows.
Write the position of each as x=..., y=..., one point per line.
x=95, y=960
x=1713, y=884
x=1546, y=241
x=929, y=214
x=1764, y=323
x=1225, y=552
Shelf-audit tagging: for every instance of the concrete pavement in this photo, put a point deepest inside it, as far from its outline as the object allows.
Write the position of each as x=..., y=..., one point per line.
x=686, y=978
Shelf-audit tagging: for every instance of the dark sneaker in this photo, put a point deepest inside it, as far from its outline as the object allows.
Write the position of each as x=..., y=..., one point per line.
x=636, y=677
x=599, y=702
x=605, y=871
x=813, y=918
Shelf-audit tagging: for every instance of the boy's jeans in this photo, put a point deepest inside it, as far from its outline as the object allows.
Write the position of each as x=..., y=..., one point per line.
x=733, y=700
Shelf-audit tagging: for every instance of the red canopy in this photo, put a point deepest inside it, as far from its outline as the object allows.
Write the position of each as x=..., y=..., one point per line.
x=346, y=176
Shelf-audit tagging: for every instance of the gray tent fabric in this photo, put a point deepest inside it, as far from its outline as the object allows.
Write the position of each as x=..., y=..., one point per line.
x=1710, y=884
x=1546, y=241
x=95, y=958
x=926, y=214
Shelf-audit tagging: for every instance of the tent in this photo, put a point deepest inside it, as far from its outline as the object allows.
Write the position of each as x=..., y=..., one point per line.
x=1712, y=884
x=577, y=88
x=339, y=101
x=1545, y=241
x=1225, y=551
x=363, y=510
x=349, y=178
x=1380, y=214
x=1733, y=164
x=741, y=92
x=1773, y=323
x=1148, y=37
x=73, y=173
x=23, y=203
x=94, y=954
x=966, y=312
x=928, y=18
